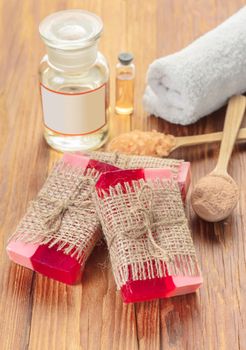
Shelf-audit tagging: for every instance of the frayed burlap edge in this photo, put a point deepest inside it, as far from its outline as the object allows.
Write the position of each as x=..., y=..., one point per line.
x=124, y=161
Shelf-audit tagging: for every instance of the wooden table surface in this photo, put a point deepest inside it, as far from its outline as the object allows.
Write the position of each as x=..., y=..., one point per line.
x=38, y=313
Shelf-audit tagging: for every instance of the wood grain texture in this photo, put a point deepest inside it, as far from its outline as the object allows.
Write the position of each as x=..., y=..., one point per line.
x=233, y=119
x=38, y=313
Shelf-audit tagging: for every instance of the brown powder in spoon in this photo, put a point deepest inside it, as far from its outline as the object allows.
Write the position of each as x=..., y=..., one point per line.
x=214, y=197
x=149, y=143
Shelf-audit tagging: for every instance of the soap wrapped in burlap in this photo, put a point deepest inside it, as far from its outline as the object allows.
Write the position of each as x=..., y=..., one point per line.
x=63, y=214
x=146, y=230
x=125, y=161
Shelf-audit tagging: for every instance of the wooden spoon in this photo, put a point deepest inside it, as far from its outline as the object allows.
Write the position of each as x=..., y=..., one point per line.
x=216, y=195
x=153, y=143
x=185, y=141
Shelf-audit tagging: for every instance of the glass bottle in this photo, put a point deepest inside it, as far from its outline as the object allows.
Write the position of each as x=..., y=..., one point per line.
x=74, y=81
x=125, y=74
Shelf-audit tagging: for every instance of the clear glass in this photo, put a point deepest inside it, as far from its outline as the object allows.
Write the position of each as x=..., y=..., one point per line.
x=125, y=75
x=74, y=82
x=74, y=66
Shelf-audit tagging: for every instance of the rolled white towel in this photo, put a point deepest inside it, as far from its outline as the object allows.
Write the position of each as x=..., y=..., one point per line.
x=187, y=85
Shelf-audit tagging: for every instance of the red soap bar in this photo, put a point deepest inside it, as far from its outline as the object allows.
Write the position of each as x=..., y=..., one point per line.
x=164, y=287
x=49, y=261
x=57, y=265
x=170, y=285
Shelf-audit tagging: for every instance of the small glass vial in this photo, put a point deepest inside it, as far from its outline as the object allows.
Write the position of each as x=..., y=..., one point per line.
x=125, y=74
x=74, y=81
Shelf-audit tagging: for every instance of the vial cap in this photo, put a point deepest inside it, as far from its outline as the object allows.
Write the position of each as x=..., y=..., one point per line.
x=125, y=58
x=70, y=29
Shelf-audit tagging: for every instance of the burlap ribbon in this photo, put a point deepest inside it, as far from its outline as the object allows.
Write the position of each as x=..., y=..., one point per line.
x=51, y=220
x=148, y=224
x=146, y=230
x=63, y=214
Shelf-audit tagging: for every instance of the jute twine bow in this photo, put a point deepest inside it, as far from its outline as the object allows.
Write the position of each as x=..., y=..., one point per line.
x=148, y=224
x=51, y=221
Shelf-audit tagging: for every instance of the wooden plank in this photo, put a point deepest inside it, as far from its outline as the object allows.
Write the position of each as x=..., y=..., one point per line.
x=205, y=321
x=38, y=313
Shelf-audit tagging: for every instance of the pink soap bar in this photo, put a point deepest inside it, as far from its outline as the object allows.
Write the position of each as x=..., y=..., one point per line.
x=170, y=285
x=183, y=178
x=47, y=261
x=120, y=176
x=21, y=253
x=51, y=262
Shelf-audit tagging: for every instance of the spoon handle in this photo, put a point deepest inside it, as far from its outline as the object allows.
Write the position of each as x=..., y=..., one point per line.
x=185, y=141
x=233, y=119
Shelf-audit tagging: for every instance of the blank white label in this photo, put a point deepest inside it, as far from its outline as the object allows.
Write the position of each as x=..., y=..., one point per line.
x=74, y=114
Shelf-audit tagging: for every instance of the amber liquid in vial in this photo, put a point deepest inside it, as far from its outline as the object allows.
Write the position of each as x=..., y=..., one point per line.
x=124, y=94
x=125, y=73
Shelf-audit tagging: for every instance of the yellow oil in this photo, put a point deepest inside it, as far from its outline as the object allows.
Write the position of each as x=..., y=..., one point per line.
x=124, y=93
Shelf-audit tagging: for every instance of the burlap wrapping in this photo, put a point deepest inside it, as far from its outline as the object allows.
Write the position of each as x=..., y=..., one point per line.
x=124, y=161
x=63, y=214
x=146, y=230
